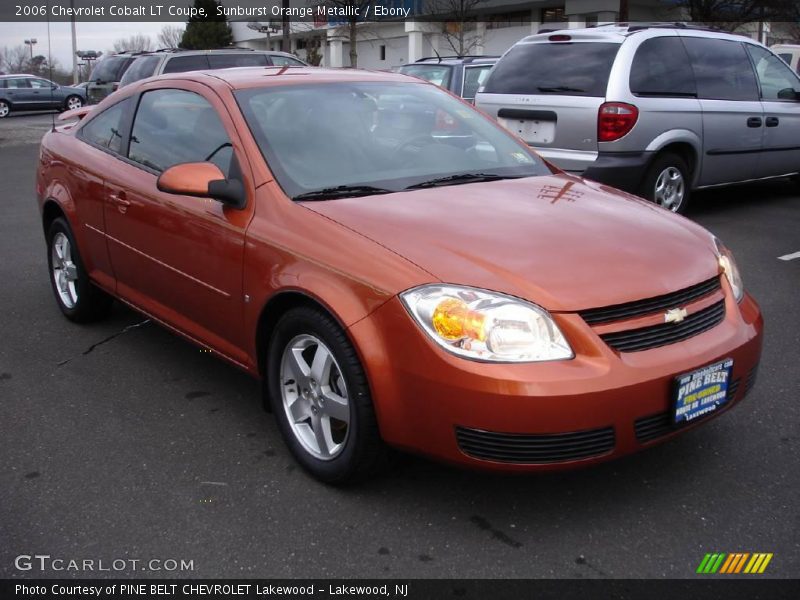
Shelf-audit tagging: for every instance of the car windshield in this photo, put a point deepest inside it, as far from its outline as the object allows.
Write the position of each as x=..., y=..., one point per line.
x=360, y=138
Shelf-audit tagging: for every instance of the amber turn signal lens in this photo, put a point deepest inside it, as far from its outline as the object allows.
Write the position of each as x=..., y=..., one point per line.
x=454, y=320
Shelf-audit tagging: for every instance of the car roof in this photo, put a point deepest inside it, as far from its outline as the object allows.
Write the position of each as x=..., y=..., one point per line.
x=253, y=77
x=454, y=60
x=182, y=52
x=619, y=32
x=19, y=75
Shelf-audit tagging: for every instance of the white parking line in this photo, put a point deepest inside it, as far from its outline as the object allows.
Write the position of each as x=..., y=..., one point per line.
x=791, y=256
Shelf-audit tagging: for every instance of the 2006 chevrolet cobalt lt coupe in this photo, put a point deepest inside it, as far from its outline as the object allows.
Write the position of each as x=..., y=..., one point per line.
x=398, y=269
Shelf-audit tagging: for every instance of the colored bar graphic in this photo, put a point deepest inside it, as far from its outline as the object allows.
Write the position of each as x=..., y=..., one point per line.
x=736, y=562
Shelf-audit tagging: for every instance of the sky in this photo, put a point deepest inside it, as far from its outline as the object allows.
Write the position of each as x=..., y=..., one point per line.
x=91, y=36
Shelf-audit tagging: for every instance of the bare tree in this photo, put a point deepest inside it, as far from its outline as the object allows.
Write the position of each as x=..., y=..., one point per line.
x=353, y=12
x=134, y=43
x=17, y=59
x=458, y=20
x=170, y=36
x=729, y=15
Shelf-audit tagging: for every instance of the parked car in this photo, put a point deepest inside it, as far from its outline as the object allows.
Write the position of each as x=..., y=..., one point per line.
x=654, y=110
x=29, y=92
x=462, y=75
x=790, y=53
x=391, y=288
x=151, y=64
x=106, y=75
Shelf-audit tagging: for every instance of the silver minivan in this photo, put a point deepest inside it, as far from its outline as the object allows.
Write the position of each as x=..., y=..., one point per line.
x=654, y=110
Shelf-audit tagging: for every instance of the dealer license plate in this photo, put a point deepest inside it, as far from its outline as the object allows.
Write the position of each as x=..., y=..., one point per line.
x=701, y=392
x=532, y=132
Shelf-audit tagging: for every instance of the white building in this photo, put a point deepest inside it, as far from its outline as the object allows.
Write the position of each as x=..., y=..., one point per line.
x=392, y=42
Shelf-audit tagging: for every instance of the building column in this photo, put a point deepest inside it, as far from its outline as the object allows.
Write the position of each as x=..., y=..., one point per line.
x=335, y=54
x=415, y=39
x=480, y=32
x=607, y=17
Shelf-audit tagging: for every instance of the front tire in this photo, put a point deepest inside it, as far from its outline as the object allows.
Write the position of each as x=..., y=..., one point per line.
x=668, y=183
x=73, y=102
x=321, y=399
x=5, y=109
x=77, y=297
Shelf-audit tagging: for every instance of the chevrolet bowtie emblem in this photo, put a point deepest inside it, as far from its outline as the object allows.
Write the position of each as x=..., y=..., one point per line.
x=675, y=315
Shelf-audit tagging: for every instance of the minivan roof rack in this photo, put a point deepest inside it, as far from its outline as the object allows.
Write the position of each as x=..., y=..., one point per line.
x=634, y=27
x=465, y=58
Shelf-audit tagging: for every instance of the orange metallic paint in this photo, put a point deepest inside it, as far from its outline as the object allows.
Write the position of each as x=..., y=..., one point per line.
x=208, y=270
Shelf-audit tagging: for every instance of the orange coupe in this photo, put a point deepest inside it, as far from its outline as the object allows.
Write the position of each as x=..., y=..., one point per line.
x=397, y=268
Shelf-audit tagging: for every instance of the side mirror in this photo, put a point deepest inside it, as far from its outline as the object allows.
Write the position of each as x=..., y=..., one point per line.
x=54, y=86
x=788, y=94
x=203, y=180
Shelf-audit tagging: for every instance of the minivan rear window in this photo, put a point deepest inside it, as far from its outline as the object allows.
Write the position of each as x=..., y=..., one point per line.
x=110, y=69
x=567, y=69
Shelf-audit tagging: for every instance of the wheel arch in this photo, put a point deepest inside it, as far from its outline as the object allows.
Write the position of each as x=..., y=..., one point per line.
x=51, y=210
x=684, y=143
x=277, y=306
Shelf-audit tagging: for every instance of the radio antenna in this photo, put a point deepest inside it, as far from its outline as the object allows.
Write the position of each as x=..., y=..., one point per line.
x=50, y=67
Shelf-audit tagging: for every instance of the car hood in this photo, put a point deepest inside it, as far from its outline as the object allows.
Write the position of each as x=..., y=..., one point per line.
x=560, y=241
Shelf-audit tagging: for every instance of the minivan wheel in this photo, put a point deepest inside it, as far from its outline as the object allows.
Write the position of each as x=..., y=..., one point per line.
x=73, y=102
x=321, y=399
x=75, y=294
x=4, y=109
x=667, y=183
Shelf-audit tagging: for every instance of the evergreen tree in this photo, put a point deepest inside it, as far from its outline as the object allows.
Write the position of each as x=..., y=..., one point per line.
x=205, y=33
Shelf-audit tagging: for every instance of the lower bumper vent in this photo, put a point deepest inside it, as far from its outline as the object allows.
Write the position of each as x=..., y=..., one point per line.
x=534, y=448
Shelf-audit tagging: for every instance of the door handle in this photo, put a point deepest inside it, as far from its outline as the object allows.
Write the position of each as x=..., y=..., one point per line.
x=773, y=121
x=754, y=122
x=121, y=202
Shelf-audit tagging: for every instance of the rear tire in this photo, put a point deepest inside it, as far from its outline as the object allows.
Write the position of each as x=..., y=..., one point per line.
x=76, y=295
x=321, y=399
x=73, y=102
x=668, y=183
x=5, y=109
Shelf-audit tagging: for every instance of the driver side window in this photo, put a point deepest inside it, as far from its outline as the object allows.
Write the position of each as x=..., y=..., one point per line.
x=776, y=79
x=176, y=126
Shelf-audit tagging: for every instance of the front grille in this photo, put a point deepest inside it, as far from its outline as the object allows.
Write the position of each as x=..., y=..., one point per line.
x=644, y=338
x=534, y=448
x=750, y=381
x=655, y=426
x=619, y=312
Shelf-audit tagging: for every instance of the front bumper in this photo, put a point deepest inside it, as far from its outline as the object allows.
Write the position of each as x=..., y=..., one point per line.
x=426, y=399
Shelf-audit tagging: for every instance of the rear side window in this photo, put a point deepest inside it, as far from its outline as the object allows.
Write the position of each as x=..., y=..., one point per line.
x=722, y=69
x=661, y=68
x=225, y=61
x=110, y=69
x=474, y=78
x=17, y=83
x=105, y=130
x=569, y=69
x=181, y=64
x=438, y=74
x=281, y=61
x=176, y=126
x=142, y=68
x=787, y=58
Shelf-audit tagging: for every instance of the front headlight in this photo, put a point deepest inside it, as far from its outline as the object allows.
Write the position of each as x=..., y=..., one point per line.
x=728, y=266
x=484, y=325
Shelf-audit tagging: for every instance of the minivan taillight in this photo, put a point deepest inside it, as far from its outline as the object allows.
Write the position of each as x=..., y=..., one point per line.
x=614, y=120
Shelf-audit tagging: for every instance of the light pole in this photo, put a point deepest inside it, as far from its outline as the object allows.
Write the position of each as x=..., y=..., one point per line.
x=74, y=47
x=31, y=42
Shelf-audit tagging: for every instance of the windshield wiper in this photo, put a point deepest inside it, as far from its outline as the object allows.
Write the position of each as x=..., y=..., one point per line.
x=343, y=191
x=560, y=88
x=462, y=178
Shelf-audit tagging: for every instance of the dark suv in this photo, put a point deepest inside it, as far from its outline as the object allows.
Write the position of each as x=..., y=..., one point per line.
x=150, y=64
x=462, y=75
x=106, y=76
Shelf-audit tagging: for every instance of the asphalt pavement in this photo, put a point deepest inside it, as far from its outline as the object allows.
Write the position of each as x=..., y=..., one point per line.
x=128, y=443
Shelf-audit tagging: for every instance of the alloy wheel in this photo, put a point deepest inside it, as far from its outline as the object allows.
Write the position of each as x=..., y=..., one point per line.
x=670, y=189
x=74, y=102
x=314, y=397
x=4, y=110
x=65, y=272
